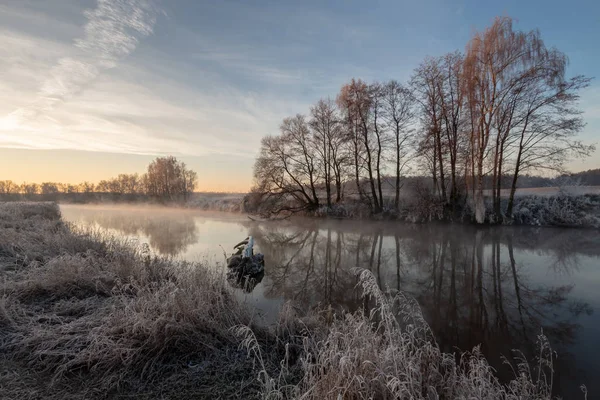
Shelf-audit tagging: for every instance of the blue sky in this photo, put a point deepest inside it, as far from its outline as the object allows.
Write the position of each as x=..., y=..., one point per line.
x=205, y=80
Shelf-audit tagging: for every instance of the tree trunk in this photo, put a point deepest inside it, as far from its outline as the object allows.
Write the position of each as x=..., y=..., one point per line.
x=327, y=171
x=495, y=178
x=479, y=202
x=378, y=166
x=397, y=198
x=513, y=187
x=356, y=170
x=441, y=164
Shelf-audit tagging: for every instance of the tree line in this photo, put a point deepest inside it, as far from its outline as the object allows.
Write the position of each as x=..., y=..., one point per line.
x=503, y=107
x=166, y=179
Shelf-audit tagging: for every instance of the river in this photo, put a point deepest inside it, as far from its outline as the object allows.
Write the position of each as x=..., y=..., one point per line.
x=495, y=286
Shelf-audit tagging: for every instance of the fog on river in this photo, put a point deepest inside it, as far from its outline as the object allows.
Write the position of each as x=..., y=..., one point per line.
x=498, y=286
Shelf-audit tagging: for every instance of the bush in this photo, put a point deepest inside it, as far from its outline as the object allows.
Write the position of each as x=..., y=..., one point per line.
x=560, y=210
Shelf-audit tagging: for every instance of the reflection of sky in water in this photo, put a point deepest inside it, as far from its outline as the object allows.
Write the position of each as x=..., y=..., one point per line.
x=211, y=233
x=467, y=284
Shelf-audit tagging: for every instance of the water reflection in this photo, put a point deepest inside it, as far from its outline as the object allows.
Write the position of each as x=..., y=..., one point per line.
x=469, y=283
x=497, y=287
x=168, y=233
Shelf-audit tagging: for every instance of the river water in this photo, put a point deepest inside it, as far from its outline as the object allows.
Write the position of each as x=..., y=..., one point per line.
x=498, y=287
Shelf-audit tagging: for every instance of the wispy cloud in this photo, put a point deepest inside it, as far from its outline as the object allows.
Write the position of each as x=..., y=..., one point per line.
x=249, y=66
x=112, y=31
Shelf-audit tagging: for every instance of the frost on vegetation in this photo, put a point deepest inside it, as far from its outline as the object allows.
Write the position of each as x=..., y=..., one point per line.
x=227, y=203
x=83, y=316
x=563, y=209
x=390, y=353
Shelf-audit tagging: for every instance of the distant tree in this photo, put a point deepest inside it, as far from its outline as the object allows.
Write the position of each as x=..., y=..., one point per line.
x=30, y=188
x=49, y=188
x=189, y=180
x=114, y=186
x=86, y=187
x=72, y=188
x=103, y=186
x=8, y=187
x=169, y=179
x=129, y=183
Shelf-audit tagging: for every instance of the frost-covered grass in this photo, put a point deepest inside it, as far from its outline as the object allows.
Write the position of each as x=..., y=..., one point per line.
x=390, y=353
x=84, y=316
x=229, y=202
x=563, y=209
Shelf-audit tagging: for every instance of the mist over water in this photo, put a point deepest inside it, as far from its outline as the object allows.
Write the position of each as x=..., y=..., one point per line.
x=496, y=286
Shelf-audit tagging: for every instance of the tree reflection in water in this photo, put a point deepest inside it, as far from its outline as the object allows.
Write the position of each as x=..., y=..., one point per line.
x=168, y=233
x=473, y=285
x=469, y=283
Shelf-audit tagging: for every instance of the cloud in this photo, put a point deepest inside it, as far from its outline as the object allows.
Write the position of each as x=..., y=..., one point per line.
x=260, y=69
x=112, y=31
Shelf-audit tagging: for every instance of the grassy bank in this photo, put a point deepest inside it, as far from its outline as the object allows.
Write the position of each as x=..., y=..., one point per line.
x=85, y=316
x=562, y=209
x=568, y=207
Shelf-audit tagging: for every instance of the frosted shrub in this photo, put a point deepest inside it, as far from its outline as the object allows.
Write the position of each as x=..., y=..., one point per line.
x=560, y=210
x=227, y=203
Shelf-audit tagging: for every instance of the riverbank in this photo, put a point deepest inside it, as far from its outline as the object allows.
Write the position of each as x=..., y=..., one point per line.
x=577, y=207
x=561, y=210
x=84, y=316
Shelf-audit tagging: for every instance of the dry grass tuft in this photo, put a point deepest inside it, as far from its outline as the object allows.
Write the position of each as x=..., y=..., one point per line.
x=84, y=316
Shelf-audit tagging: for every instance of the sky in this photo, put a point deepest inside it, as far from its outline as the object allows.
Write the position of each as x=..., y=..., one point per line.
x=93, y=88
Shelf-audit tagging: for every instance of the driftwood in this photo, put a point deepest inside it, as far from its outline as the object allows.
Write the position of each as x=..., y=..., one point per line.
x=246, y=269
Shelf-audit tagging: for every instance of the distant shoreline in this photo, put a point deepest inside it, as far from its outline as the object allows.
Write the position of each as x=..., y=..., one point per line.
x=570, y=206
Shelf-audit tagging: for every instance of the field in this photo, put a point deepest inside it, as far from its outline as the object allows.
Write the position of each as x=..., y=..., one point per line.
x=84, y=316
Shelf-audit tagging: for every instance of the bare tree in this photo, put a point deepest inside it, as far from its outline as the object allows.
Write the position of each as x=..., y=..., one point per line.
x=325, y=125
x=87, y=187
x=49, y=188
x=398, y=105
x=168, y=179
x=189, y=181
x=30, y=188
x=426, y=85
x=377, y=94
x=8, y=187
x=516, y=89
x=452, y=101
x=285, y=171
x=355, y=102
x=347, y=103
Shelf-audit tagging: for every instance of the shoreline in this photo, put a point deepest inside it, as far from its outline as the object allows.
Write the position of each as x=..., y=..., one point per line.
x=561, y=209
